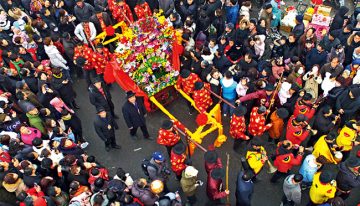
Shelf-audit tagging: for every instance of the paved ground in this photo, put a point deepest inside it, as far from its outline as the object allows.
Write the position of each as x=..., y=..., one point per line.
x=266, y=194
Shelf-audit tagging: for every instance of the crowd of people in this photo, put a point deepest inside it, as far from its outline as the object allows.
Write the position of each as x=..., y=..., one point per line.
x=309, y=83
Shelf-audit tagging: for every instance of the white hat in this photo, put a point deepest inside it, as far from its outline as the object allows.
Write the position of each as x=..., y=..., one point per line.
x=190, y=171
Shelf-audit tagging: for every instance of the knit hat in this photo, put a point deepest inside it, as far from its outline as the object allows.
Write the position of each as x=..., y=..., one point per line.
x=190, y=171
x=282, y=113
x=240, y=111
x=158, y=156
x=185, y=73
x=167, y=124
x=217, y=173
x=130, y=94
x=269, y=87
x=198, y=85
x=353, y=162
x=179, y=148
x=326, y=176
x=210, y=156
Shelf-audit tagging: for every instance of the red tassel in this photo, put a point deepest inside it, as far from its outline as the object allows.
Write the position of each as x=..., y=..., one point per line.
x=201, y=119
x=109, y=75
x=110, y=31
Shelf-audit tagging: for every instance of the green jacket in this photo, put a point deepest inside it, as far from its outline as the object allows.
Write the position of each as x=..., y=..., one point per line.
x=188, y=184
x=35, y=121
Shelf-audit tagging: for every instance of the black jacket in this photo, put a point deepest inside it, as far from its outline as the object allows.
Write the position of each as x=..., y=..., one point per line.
x=323, y=124
x=66, y=91
x=134, y=117
x=104, y=128
x=95, y=20
x=83, y=13
x=98, y=100
x=222, y=63
x=345, y=179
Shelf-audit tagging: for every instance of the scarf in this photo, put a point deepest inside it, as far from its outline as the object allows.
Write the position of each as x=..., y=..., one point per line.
x=86, y=30
x=102, y=23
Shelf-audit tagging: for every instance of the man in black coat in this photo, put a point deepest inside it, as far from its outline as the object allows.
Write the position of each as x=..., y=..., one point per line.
x=221, y=62
x=62, y=84
x=134, y=115
x=348, y=177
x=244, y=188
x=100, y=97
x=99, y=17
x=103, y=125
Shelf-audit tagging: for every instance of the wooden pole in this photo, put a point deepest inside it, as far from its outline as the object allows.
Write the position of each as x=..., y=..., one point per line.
x=222, y=99
x=189, y=138
x=274, y=93
x=227, y=177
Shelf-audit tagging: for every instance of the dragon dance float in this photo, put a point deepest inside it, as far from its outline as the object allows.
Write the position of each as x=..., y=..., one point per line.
x=147, y=62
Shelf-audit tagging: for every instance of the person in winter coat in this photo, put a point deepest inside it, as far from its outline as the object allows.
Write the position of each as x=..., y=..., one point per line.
x=64, y=87
x=85, y=31
x=299, y=28
x=285, y=159
x=244, y=188
x=352, y=42
x=189, y=183
x=308, y=168
x=214, y=80
x=323, y=187
x=347, y=138
x=348, y=103
x=292, y=190
x=134, y=113
x=100, y=96
x=238, y=126
x=337, y=51
x=101, y=20
x=167, y=6
x=325, y=147
x=232, y=10
x=211, y=6
x=316, y=56
x=28, y=134
x=212, y=160
x=312, y=81
x=104, y=129
x=157, y=168
x=56, y=59
x=188, y=8
x=334, y=68
x=256, y=156
x=214, y=187
x=141, y=190
x=348, y=177
x=83, y=11
x=168, y=136
x=267, y=15
x=277, y=120
x=34, y=119
x=339, y=18
x=228, y=86
x=330, y=41
x=73, y=121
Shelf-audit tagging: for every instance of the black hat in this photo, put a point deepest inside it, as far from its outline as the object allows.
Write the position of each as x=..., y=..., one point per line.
x=129, y=94
x=97, y=79
x=267, y=6
x=282, y=113
x=179, y=148
x=261, y=110
x=185, y=73
x=353, y=162
x=167, y=124
x=298, y=177
x=256, y=141
x=326, y=176
x=240, y=111
x=299, y=18
x=331, y=136
x=307, y=97
x=217, y=173
x=199, y=85
x=210, y=156
x=269, y=87
x=100, y=109
x=100, y=46
x=301, y=118
x=37, y=142
x=80, y=61
x=98, y=9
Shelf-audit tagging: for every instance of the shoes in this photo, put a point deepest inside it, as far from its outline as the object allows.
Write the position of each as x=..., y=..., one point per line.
x=116, y=146
x=84, y=145
x=107, y=149
x=149, y=138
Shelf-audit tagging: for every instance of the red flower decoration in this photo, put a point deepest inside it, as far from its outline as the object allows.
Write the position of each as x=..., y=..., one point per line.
x=110, y=31
x=201, y=119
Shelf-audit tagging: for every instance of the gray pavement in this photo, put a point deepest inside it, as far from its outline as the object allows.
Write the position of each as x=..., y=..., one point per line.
x=265, y=193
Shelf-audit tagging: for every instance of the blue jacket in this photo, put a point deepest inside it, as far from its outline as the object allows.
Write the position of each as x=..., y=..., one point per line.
x=244, y=191
x=314, y=57
x=307, y=171
x=230, y=91
x=232, y=14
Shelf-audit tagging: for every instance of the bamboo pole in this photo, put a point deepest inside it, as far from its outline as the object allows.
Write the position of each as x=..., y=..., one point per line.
x=227, y=177
x=222, y=99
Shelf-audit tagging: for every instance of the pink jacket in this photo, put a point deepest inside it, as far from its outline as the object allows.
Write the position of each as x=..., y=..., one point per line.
x=28, y=138
x=59, y=105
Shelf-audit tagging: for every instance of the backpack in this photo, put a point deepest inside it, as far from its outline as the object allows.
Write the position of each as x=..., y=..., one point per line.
x=145, y=164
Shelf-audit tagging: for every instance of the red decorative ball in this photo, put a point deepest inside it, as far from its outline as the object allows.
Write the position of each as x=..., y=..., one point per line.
x=201, y=119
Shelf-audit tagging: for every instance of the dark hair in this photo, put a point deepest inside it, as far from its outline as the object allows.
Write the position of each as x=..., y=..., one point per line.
x=47, y=41
x=298, y=178
x=228, y=74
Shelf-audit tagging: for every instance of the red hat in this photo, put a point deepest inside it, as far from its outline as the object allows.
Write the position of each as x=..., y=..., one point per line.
x=40, y=201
